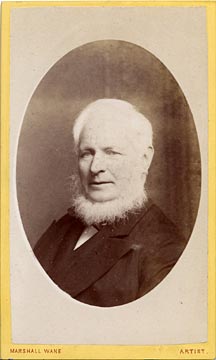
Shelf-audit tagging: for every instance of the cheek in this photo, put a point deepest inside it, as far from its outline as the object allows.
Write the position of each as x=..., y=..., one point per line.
x=129, y=172
x=122, y=169
x=83, y=169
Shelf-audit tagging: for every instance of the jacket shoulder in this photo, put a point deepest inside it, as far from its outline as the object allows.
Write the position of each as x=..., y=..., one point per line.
x=157, y=224
x=47, y=246
x=162, y=245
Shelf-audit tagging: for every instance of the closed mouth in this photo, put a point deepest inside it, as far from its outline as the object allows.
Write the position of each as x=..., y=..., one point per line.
x=100, y=182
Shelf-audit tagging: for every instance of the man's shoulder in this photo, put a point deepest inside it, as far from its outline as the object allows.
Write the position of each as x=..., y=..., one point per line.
x=160, y=246
x=60, y=224
x=154, y=224
x=56, y=229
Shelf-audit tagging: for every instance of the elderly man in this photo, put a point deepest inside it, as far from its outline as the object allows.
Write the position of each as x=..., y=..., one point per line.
x=114, y=245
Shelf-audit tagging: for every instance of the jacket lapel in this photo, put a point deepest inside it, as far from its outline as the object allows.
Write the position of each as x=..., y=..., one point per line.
x=78, y=269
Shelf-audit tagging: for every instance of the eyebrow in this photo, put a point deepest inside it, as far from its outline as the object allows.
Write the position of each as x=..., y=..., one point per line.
x=104, y=148
x=87, y=148
x=112, y=147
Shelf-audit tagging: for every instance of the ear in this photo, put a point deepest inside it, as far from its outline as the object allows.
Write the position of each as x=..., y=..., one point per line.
x=147, y=158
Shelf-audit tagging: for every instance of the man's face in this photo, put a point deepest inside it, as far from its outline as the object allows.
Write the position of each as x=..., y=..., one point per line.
x=110, y=164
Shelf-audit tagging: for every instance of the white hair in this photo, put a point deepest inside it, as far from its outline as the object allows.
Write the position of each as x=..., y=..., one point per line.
x=124, y=109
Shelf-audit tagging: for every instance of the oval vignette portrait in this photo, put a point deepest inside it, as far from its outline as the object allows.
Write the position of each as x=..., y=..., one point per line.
x=108, y=172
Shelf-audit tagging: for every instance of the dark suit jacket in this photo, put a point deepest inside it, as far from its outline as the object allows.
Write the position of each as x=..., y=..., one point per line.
x=117, y=265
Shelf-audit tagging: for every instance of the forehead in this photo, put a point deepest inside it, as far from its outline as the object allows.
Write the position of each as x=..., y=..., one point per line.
x=107, y=130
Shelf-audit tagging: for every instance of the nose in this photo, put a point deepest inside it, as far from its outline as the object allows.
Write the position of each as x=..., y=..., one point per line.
x=97, y=164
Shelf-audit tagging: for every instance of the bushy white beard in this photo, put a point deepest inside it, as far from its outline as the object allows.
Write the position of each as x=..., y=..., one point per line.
x=91, y=212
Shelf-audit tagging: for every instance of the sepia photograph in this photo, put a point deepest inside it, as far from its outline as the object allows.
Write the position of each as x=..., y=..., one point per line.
x=108, y=129
x=107, y=114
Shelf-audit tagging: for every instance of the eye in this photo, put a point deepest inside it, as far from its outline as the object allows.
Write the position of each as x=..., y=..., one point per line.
x=112, y=152
x=84, y=154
